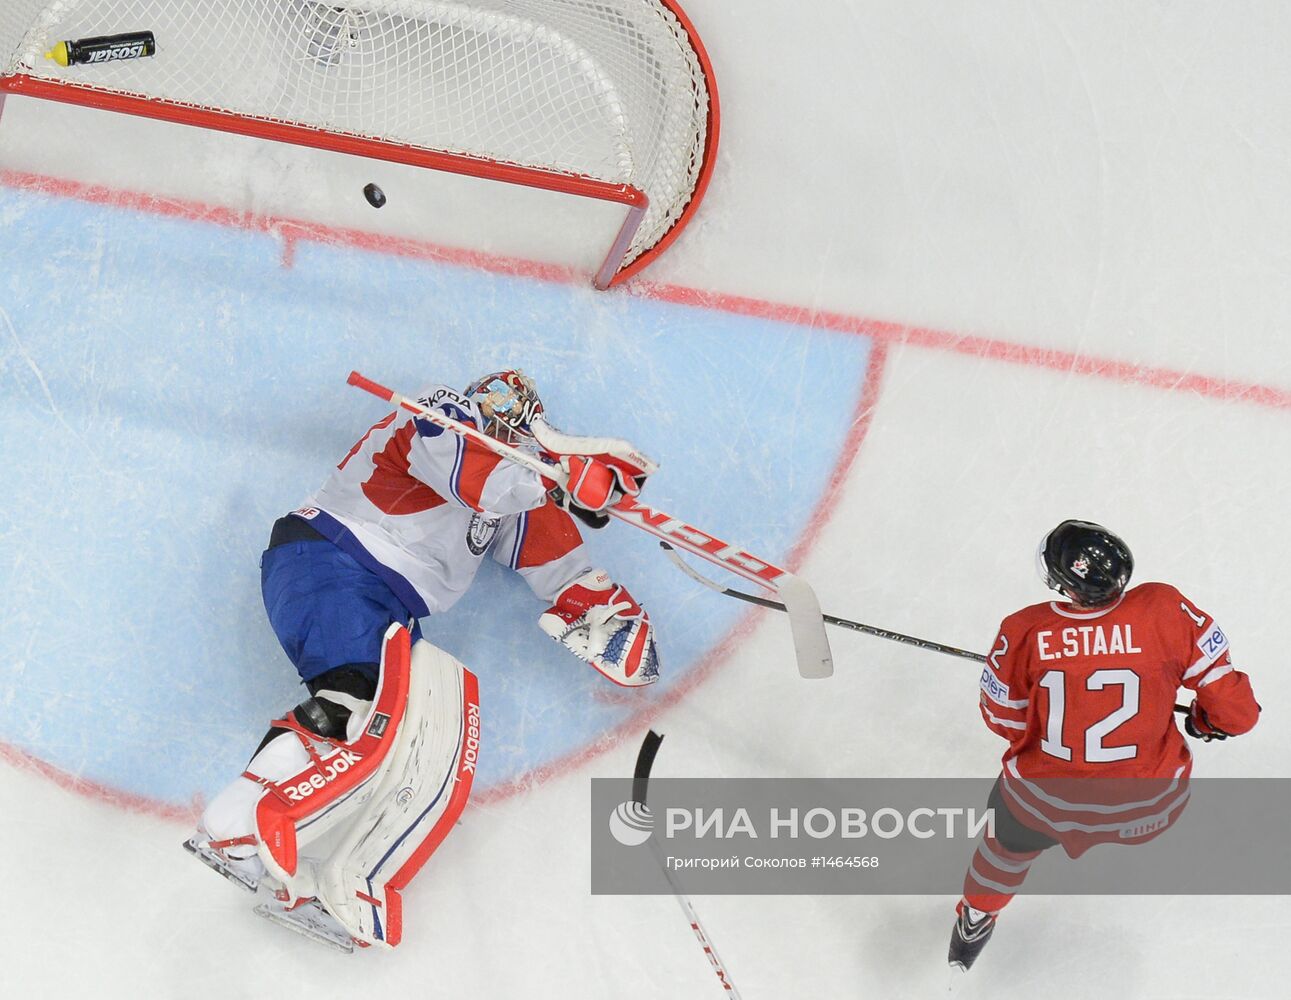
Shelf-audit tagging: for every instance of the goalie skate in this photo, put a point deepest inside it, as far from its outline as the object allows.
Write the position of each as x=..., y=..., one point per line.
x=244, y=872
x=309, y=919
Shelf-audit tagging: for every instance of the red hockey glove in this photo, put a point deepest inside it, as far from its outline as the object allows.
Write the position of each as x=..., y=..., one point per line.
x=591, y=483
x=599, y=622
x=1198, y=726
x=600, y=481
x=601, y=471
x=596, y=483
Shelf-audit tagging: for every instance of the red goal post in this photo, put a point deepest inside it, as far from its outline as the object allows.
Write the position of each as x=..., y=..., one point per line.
x=612, y=100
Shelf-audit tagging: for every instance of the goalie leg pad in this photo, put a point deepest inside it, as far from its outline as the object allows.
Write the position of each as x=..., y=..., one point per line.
x=422, y=793
x=333, y=779
x=226, y=839
x=228, y=821
x=313, y=770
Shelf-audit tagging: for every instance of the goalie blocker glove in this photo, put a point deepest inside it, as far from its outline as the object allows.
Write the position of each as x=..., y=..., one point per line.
x=593, y=486
x=599, y=471
x=600, y=623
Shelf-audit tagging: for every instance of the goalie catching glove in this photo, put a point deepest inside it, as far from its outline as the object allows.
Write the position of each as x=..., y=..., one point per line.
x=600, y=623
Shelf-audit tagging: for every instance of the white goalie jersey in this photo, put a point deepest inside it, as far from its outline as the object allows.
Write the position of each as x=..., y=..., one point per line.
x=422, y=506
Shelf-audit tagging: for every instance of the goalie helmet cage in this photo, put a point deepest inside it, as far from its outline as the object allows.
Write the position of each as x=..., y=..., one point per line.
x=606, y=99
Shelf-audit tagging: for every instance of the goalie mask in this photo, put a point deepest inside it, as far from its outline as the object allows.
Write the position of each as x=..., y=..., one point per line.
x=509, y=401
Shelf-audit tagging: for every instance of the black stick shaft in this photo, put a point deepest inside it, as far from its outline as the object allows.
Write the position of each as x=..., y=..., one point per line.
x=640, y=786
x=874, y=630
x=645, y=761
x=847, y=623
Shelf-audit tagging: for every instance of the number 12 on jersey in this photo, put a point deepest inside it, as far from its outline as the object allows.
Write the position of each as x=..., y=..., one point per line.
x=1055, y=683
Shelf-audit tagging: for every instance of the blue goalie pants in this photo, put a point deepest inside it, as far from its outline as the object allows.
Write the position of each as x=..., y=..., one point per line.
x=326, y=609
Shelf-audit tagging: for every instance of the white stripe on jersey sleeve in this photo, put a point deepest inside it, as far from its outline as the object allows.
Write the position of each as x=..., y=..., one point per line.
x=1004, y=722
x=1215, y=675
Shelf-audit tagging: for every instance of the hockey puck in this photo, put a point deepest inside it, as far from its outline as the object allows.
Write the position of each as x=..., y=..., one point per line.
x=375, y=196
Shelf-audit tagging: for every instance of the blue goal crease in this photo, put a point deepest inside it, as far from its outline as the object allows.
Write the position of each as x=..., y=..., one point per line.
x=167, y=390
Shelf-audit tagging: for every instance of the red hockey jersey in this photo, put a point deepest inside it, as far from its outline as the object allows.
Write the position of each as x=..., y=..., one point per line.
x=1083, y=695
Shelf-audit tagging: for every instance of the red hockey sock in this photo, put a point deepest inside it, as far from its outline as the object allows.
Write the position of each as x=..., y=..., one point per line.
x=995, y=874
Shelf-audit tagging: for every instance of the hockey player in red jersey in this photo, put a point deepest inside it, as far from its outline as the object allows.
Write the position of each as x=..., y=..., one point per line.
x=385, y=746
x=1085, y=689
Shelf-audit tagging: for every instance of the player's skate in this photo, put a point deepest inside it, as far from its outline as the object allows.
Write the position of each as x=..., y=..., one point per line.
x=973, y=928
x=244, y=872
x=307, y=917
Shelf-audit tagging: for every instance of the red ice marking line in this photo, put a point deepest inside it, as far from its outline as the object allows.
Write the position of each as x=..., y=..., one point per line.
x=629, y=730
x=885, y=331
x=24, y=761
x=292, y=232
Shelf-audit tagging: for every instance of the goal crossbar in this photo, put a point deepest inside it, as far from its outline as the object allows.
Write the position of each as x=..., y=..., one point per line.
x=633, y=200
x=610, y=100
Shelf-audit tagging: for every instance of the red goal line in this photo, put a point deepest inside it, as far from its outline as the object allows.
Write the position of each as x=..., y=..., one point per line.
x=293, y=231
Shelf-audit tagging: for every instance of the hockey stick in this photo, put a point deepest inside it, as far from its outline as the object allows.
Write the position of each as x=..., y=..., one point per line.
x=763, y=602
x=874, y=630
x=811, y=645
x=640, y=783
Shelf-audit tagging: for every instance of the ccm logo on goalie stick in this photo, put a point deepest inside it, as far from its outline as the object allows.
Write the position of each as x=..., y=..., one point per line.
x=666, y=526
x=337, y=765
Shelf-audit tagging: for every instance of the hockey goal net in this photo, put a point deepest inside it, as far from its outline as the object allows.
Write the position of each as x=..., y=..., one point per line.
x=606, y=99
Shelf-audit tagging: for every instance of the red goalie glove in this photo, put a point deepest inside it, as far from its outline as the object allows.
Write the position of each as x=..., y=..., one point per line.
x=601, y=471
x=595, y=484
x=599, y=622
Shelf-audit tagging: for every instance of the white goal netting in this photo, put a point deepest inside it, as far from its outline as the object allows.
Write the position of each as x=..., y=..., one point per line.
x=607, y=89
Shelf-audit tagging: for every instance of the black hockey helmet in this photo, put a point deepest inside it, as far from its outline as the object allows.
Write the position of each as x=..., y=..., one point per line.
x=1085, y=562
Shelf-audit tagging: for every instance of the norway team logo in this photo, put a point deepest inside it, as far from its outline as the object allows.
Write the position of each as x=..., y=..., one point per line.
x=480, y=532
x=631, y=823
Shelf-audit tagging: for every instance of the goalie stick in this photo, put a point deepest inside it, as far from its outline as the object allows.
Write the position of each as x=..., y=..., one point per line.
x=763, y=602
x=640, y=783
x=811, y=645
x=847, y=623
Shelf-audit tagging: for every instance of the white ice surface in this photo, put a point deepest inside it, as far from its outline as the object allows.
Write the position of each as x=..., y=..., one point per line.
x=1103, y=178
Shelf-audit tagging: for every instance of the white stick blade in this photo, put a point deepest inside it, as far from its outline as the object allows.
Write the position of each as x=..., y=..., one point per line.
x=808, y=624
